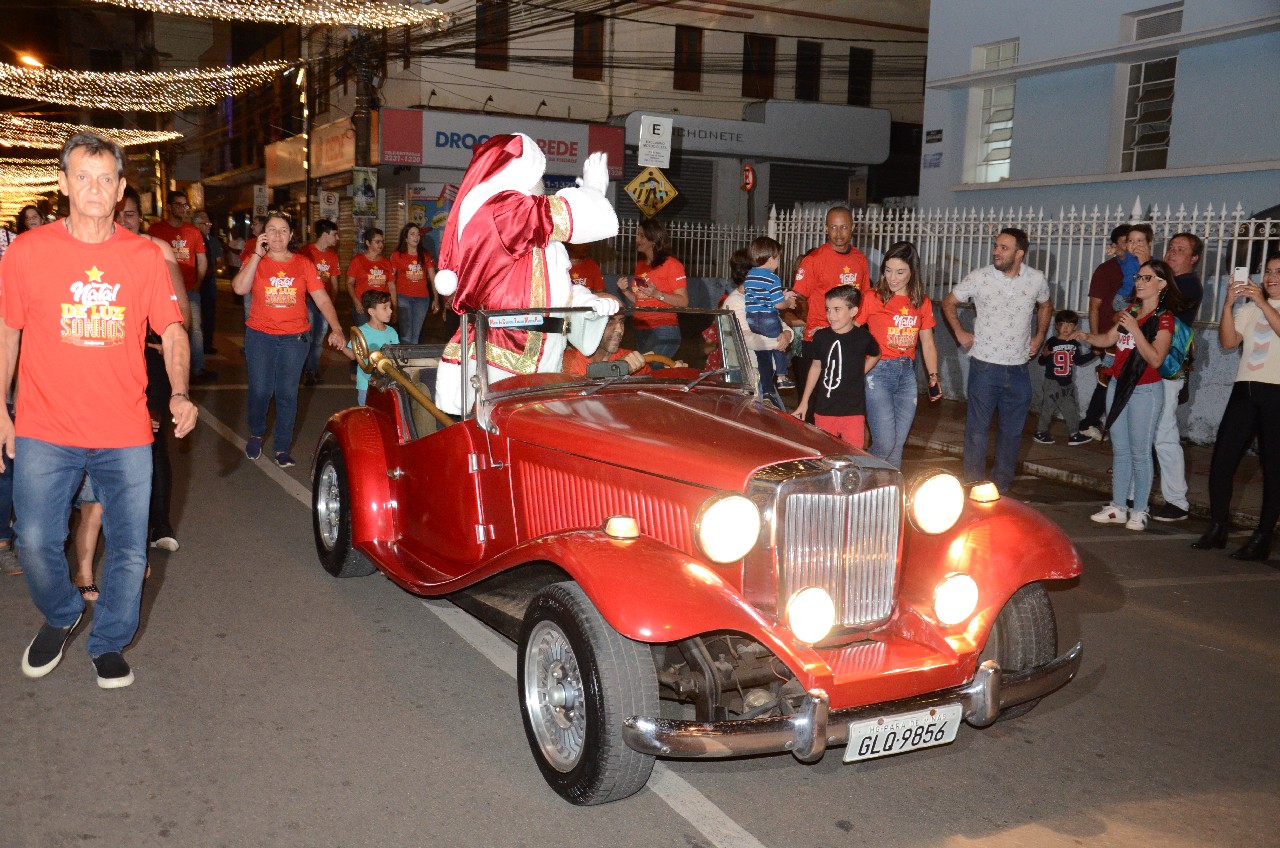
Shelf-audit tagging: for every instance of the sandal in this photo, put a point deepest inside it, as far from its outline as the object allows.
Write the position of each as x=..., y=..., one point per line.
x=86, y=591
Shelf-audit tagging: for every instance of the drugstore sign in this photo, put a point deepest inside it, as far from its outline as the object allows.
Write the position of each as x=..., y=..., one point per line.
x=445, y=140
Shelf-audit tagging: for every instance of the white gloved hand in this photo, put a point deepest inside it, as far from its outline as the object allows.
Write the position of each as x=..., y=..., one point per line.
x=603, y=305
x=595, y=173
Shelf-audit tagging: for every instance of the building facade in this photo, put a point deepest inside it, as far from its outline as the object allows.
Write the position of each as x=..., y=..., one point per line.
x=1093, y=102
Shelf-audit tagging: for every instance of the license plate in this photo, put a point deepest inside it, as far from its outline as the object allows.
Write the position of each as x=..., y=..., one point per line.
x=895, y=734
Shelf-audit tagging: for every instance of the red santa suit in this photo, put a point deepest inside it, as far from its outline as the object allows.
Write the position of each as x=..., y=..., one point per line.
x=503, y=248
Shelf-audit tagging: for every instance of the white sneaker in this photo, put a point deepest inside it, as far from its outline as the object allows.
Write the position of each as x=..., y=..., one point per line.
x=166, y=543
x=1112, y=514
x=1093, y=433
x=1137, y=521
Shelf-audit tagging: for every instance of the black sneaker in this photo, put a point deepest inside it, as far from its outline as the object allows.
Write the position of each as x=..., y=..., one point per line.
x=308, y=378
x=284, y=460
x=1044, y=438
x=113, y=671
x=45, y=651
x=1078, y=439
x=1169, y=512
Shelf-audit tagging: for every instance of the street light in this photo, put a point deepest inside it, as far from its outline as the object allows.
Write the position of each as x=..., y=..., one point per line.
x=30, y=61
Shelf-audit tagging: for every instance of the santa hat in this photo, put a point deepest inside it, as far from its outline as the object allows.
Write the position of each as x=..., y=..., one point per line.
x=502, y=163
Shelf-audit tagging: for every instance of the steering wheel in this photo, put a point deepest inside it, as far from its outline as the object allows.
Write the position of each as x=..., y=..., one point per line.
x=361, y=349
x=659, y=359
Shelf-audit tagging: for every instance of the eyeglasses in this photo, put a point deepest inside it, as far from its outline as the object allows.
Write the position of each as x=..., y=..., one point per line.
x=1146, y=278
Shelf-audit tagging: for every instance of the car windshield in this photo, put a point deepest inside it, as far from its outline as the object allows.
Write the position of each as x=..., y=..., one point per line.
x=604, y=350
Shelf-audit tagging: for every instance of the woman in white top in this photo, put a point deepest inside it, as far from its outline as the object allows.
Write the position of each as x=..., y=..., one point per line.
x=1253, y=410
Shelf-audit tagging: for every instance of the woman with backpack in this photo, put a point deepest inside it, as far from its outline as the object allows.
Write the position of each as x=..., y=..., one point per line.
x=1142, y=336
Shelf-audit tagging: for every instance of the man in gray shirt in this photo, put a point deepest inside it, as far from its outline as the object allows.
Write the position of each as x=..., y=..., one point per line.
x=1006, y=294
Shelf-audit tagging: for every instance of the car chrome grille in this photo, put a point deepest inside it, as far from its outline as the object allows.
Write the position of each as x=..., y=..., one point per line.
x=833, y=523
x=846, y=545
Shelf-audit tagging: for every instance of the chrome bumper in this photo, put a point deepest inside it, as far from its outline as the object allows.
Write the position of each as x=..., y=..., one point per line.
x=814, y=728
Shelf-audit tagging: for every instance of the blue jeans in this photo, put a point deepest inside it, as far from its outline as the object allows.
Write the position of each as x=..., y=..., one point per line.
x=197, y=335
x=770, y=363
x=1132, y=436
x=275, y=365
x=44, y=484
x=995, y=390
x=892, y=393
x=413, y=314
x=663, y=339
x=319, y=330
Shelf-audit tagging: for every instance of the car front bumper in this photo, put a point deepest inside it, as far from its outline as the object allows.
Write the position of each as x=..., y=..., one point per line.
x=814, y=727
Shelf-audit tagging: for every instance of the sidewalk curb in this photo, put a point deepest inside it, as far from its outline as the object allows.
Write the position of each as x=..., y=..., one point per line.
x=1239, y=518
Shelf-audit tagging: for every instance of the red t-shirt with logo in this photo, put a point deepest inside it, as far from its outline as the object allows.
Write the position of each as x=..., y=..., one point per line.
x=821, y=270
x=187, y=244
x=83, y=310
x=279, y=304
x=586, y=272
x=326, y=261
x=1126, y=347
x=668, y=277
x=896, y=325
x=370, y=275
x=411, y=275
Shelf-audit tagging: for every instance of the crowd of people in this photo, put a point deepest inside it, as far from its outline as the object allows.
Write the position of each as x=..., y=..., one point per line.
x=123, y=323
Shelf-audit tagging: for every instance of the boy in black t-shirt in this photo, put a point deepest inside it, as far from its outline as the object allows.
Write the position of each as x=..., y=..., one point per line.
x=846, y=352
x=1060, y=356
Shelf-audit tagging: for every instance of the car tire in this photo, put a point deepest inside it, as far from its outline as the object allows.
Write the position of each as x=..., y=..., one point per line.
x=579, y=680
x=331, y=516
x=1025, y=635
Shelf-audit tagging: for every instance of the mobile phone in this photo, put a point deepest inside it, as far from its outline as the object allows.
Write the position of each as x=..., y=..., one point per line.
x=1240, y=274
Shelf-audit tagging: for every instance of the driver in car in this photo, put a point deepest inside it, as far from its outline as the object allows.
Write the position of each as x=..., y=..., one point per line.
x=609, y=350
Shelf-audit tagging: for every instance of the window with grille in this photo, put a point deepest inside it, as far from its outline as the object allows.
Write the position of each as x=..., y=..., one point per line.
x=759, y=56
x=1148, y=106
x=491, y=34
x=808, y=70
x=995, y=119
x=588, y=46
x=688, y=66
x=860, y=61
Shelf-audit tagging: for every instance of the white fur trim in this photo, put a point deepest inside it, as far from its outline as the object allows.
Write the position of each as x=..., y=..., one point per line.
x=446, y=283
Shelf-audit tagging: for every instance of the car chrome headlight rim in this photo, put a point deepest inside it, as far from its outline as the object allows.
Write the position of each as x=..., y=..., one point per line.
x=935, y=501
x=955, y=597
x=727, y=527
x=811, y=614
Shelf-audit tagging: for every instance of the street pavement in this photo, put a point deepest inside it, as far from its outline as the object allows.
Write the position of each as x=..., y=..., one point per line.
x=276, y=706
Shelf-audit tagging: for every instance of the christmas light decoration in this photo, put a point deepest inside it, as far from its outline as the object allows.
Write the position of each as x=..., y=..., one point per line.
x=169, y=91
x=371, y=14
x=51, y=135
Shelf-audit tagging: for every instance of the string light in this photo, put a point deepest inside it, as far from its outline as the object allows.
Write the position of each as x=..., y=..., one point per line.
x=371, y=14
x=51, y=135
x=140, y=91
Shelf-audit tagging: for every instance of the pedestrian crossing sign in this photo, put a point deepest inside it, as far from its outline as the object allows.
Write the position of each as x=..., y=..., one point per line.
x=651, y=191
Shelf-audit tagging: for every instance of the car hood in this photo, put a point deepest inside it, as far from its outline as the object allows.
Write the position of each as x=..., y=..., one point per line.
x=712, y=438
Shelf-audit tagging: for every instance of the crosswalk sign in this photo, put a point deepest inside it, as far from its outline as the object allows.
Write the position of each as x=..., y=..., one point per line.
x=651, y=191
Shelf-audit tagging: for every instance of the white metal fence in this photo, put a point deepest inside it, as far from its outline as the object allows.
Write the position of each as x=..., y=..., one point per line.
x=1066, y=247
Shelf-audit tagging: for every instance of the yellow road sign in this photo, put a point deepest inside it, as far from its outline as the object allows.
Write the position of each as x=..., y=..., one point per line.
x=651, y=191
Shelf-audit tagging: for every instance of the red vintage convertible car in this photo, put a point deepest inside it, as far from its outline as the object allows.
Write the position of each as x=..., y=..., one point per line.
x=705, y=575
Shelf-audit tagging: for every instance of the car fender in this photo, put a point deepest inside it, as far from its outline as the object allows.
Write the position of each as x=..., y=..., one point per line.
x=359, y=434
x=1002, y=545
x=651, y=592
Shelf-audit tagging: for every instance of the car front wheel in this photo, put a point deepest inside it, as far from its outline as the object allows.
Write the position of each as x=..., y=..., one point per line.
x=579, y=681
x=1025, y=635
x=331, y=516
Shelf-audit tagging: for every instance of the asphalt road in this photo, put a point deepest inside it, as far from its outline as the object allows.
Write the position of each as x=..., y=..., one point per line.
x=276, y=706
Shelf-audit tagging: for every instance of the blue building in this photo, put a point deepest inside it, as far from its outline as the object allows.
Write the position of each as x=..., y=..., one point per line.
x=1087, y=102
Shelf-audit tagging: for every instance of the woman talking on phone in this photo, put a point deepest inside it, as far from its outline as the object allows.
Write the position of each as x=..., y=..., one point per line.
x=1252, y=410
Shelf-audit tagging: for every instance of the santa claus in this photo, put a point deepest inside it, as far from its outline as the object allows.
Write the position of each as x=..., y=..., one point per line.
x=503, y=248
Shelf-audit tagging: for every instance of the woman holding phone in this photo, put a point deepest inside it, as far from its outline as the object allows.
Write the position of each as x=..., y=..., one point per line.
x=1253, y=410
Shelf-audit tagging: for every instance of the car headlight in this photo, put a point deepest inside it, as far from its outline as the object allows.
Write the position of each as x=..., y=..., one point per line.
x=727, y=526
x=935, y=503
x=811, y=614
x=955, y=598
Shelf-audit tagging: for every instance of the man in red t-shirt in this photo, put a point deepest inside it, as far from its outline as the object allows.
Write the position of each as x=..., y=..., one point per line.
x=835, y=263
x=188, y=246
x=76, y=297
x=328, y=269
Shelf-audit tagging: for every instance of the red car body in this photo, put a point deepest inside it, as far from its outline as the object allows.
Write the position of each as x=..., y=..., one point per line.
x=531, y=479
